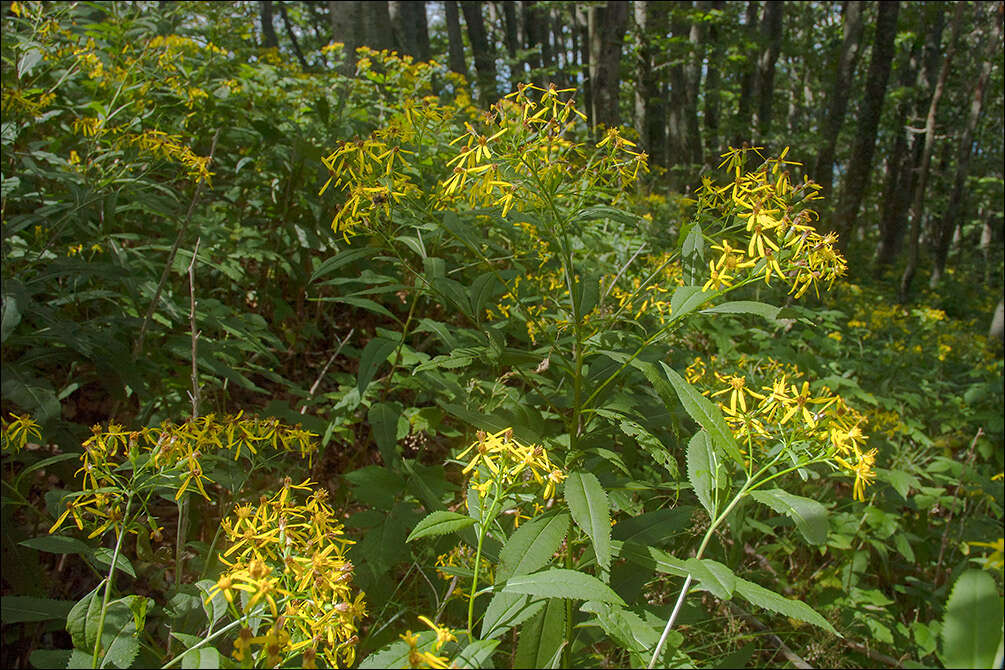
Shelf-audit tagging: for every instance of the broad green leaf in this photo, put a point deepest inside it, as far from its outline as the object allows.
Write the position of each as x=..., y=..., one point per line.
x=46, y=462
x=542, y=638
x=439, y=523
x=50, y=658
x=119, y=634
x=562, y=583
x=809, y=516
x=395, y=655
x=972, y=626
x=745, y=307
x=651, y=444
x=476, y=654
x=374, y=354
x=203, y=657
x=216, y=606
x=79, y=618
x=383, y=418
x=590, y=510
x=703, y=470
x=531, y=547
x=363, y=303
x=506, y=610
x=769, y=600
x=19, y=609
x=338, y=260
x=712, y=576
x=700, y=408
x=654, y=527
x=686, y=299
x=57, y=544
x=625, y=626
x=693, y=253
x=649, y=558
x=103, y=555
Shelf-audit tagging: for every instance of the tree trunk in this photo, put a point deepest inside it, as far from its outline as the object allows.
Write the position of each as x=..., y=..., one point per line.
x=771, y=28
x=860, y=166
x=918, y=200
x=377, y=32
x=743, y=126
x=712, y=84
x=649, y=104
x=293, y=37
x=484, y=53
x=455, y=43
x=607, y=26
x=692, y=73
x=512, y=31
x=997, y=329
x=844, y=71
x=956, y=206
x=347, y=27
x=270, y=41
x=583, y=30
x=411, y=31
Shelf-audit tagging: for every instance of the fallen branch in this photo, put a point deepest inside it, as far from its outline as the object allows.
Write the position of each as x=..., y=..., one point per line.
x=793, y=658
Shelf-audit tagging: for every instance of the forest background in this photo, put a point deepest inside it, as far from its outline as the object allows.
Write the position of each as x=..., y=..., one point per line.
x=309, y=229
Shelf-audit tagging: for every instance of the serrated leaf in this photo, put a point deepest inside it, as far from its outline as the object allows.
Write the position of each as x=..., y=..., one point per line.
x=532, y=545
x=809, y=516
x=653, y=527
x=712, y=576
x=476, y=654
x=50, y=658
x=591, y=511
x=103, y=555
x=769, y=312
x=625, y=626
x=697, y=406
x=439, y=523
x=383, y=418
x=506, y=610
x=651, y=444
x=756, y=594
x=216, y=607
x=77, y=620
x=20, y=609
x=703, y=470
x=374, y=355
x=686, y=299
x=57, y=544
x=562, y=583
x=972, y=625
x=649, y=558
x=395, y=655
x=542, y=638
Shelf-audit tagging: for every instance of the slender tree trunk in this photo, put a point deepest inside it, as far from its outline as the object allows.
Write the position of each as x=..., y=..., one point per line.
x=743, y=126
x=771, y=28
x=411, y=31
x=860, y=166
x=583, y=30
x=269, y=38
x=607, y=26
x=650, y=112
x=692, y=72
x=347, y=27
x=455, y=43
x=484, y=53
x=997, y=329
x=512, y=31
x=956, y=205
x=844, y=71
x=712, y=84
x=918, y=200
x=678, y=107
x=293, y=37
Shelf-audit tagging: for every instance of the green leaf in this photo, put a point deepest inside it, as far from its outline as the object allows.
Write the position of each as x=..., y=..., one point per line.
x=395, y=655
x=700, y=409
x=531, y=547
x=562, y=583
x=654, y=527
x=50, y=658
x=625, y=626
x=590, y=510
x=57, y=544
x=972, y=626
x=650, y=443
x=363, y=303
x=383, y=418
x=19, y=609
x=439, y=523
x=769, y=312
x=216, y=606
x=542, y=638
x=374, y=354
x=340, y=259
x=809, y=516
x=649, y=558
x=703, y=470
x=103, y=555
x=506, y=610
x=79, y=619
x=203, y=657
x=476, y=654
x=686, y=299
x=769, y=600
x=712, y=576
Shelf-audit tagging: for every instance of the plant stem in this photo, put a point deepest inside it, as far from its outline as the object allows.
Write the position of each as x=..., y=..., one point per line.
x=204, y=642
x=486, y=519
x=108, y=583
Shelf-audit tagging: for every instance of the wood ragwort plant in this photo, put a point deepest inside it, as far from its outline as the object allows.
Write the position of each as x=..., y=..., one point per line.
x=517, y=228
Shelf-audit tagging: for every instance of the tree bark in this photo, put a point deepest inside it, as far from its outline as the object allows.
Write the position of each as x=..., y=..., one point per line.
x=583, y=30
x=455, y=43
x=771, y=28
x=692, y=73
x=411, y=31
x=347, y=27
x=483, y=52
x=650, y=111
x=997, y=329
x=745, y=109
x=860, y=166
x=844, y=71
x=269, y=38
x=607, y=26
x=918, y=200
x=955, y=206
x=712, y=83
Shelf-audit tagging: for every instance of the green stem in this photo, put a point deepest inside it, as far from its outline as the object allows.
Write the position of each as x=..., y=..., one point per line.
x=205, y=641
x=108, y=583
x=486, y=519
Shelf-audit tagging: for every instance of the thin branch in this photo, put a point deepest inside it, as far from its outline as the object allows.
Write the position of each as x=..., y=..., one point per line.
x=793, y=658
x=324, y=370
x=293, y=37
x=195, y=334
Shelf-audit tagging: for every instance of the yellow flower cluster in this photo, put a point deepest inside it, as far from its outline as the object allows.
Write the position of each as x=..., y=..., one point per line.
x=786, y=412
x=16, y=432
x=509, y=463
x=174, y=451
x=428, y=659
x=291, y=558
x=780, y=238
